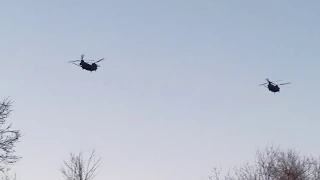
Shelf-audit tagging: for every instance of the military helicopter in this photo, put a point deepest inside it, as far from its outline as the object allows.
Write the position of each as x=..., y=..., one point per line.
x=272, y=86
x=86, y=66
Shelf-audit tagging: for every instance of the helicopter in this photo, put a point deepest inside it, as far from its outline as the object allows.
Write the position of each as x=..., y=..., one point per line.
x=86, y=66
x=272, y=86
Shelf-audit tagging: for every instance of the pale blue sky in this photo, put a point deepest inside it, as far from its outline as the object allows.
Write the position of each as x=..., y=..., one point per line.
x=178, y=92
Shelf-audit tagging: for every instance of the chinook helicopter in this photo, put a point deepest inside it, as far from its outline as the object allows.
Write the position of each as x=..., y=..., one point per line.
x=86, y=66
x=272, y=86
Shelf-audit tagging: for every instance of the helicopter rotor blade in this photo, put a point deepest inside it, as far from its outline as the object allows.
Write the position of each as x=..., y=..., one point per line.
x=82, y=55
x=277, y=81
x=82, y=60
x=273, y=81
x=73, y=61
x=262, y=84
x=284, y=83
x=76, y=64
x=267, y=79
x=99, y=60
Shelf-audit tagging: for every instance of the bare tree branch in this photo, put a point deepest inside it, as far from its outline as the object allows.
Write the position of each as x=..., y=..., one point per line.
x=274, y=164
x=8, y=137
x=7, y=176
x=78, y=169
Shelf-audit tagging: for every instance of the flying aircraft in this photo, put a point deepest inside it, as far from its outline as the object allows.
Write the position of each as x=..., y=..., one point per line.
x=87, y=66
x=272, y=86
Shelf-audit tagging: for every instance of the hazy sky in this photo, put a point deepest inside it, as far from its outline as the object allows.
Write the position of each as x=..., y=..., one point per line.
x=178, y=92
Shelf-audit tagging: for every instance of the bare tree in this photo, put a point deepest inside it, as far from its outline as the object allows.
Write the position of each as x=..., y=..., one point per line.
x=7, y=176
x=78, y=169
x=8, y=137
x=274, y=164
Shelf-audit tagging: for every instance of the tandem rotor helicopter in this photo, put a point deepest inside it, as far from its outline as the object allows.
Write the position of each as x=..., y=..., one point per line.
x=86, y=66
x=272, y=86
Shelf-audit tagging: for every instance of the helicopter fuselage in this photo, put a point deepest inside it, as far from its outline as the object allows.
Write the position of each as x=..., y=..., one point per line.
x=87, y=66
x=273, y=88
